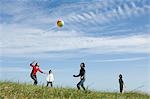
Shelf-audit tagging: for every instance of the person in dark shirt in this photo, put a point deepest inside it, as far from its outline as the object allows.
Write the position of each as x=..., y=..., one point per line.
x=82, y=76
x=121, y=83
x=35, y=69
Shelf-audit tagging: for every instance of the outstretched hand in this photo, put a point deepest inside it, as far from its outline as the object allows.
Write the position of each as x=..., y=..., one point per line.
x=44, y=73
x=74, y=75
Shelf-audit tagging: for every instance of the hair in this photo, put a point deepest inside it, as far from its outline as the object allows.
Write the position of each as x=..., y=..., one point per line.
x=36, y=64
x=120, y=76
x=50, y=71
x=83, y=64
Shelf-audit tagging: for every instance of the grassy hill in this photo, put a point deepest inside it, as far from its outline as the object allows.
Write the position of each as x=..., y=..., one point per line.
x=9, y=90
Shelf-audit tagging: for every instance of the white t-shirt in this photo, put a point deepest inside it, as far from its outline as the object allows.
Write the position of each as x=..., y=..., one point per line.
x=50, y=77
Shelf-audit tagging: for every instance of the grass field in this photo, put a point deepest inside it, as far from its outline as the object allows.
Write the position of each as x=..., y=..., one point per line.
x=9, y=90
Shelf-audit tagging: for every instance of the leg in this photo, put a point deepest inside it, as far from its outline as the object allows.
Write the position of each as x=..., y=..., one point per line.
x=82, y=84
x=51, y=84
x=34, y=78
x=35, y=81
x=78, y=85
x=47, y=83
x=121, y=88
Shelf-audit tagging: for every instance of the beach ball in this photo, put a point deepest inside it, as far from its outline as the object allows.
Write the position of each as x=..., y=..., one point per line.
x=60, y=23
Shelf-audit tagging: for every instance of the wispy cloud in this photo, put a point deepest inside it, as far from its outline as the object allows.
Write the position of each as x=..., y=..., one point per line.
x=35, y=42
x=25, y=31
x=121, y=59
x=95, y=31
x=99, y=13
x=94, y=12
x=14, y=69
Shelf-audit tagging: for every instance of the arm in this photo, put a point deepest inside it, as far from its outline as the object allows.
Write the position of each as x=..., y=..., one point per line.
x=77, y=75
x=124, y=85
x=40, y=70
x=32, y=64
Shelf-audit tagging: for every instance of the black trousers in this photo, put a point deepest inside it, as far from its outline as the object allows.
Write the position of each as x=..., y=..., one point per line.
x=50, y=84
x=34, y=78
x=121, y=88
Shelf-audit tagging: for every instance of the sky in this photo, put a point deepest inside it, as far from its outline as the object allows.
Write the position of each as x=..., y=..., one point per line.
x=110, y=36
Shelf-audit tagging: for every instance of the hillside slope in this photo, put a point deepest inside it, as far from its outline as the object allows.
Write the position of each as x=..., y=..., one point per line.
x=9, y=90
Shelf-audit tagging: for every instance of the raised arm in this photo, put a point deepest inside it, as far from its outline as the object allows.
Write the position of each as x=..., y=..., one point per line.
x=32, y=64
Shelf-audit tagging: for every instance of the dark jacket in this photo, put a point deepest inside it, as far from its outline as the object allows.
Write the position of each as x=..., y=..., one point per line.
x=81, y=74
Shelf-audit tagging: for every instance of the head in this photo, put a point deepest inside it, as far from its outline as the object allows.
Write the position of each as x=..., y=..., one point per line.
x=120, y=76
x=37, y=64
x=82, y=65
x=50, y=71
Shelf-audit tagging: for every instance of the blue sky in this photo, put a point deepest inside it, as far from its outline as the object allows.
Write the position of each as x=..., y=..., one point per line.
x=110, y=36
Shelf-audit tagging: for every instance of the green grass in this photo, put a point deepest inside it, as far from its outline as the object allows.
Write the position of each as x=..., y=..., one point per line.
x=10, y=90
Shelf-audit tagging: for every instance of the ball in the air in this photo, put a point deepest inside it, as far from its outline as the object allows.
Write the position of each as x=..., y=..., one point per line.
x=60, y=23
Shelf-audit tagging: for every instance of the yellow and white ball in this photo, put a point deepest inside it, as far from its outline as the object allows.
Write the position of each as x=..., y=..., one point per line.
x=60, y=23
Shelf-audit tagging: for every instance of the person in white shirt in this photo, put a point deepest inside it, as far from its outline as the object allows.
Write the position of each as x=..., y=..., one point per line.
x=50, y=78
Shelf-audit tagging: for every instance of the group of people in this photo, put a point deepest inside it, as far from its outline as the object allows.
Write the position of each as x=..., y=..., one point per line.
x=50, y=77
x=35, y=69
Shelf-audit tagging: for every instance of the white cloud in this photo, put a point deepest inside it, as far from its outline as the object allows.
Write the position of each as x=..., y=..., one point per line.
x=119, y=12
x=14, y=69
x=82, y=12
x=27, y=41
x=121, y=59
x=25, y=38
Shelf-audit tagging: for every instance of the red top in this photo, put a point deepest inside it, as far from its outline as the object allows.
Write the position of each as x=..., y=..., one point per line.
x=35, y=69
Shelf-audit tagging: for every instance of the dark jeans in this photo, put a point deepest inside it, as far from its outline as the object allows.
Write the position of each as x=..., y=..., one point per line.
x=50, y=84
x=34, y=78
x=81, y=83
x=121, y=88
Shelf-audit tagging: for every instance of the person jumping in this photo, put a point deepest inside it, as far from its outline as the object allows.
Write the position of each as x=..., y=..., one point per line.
x=35, y=69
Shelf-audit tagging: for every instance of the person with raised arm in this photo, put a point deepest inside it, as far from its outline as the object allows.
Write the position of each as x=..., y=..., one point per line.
x=35, y=69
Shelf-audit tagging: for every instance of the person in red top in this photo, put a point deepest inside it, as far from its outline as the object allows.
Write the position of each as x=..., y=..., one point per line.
x=35, y=69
